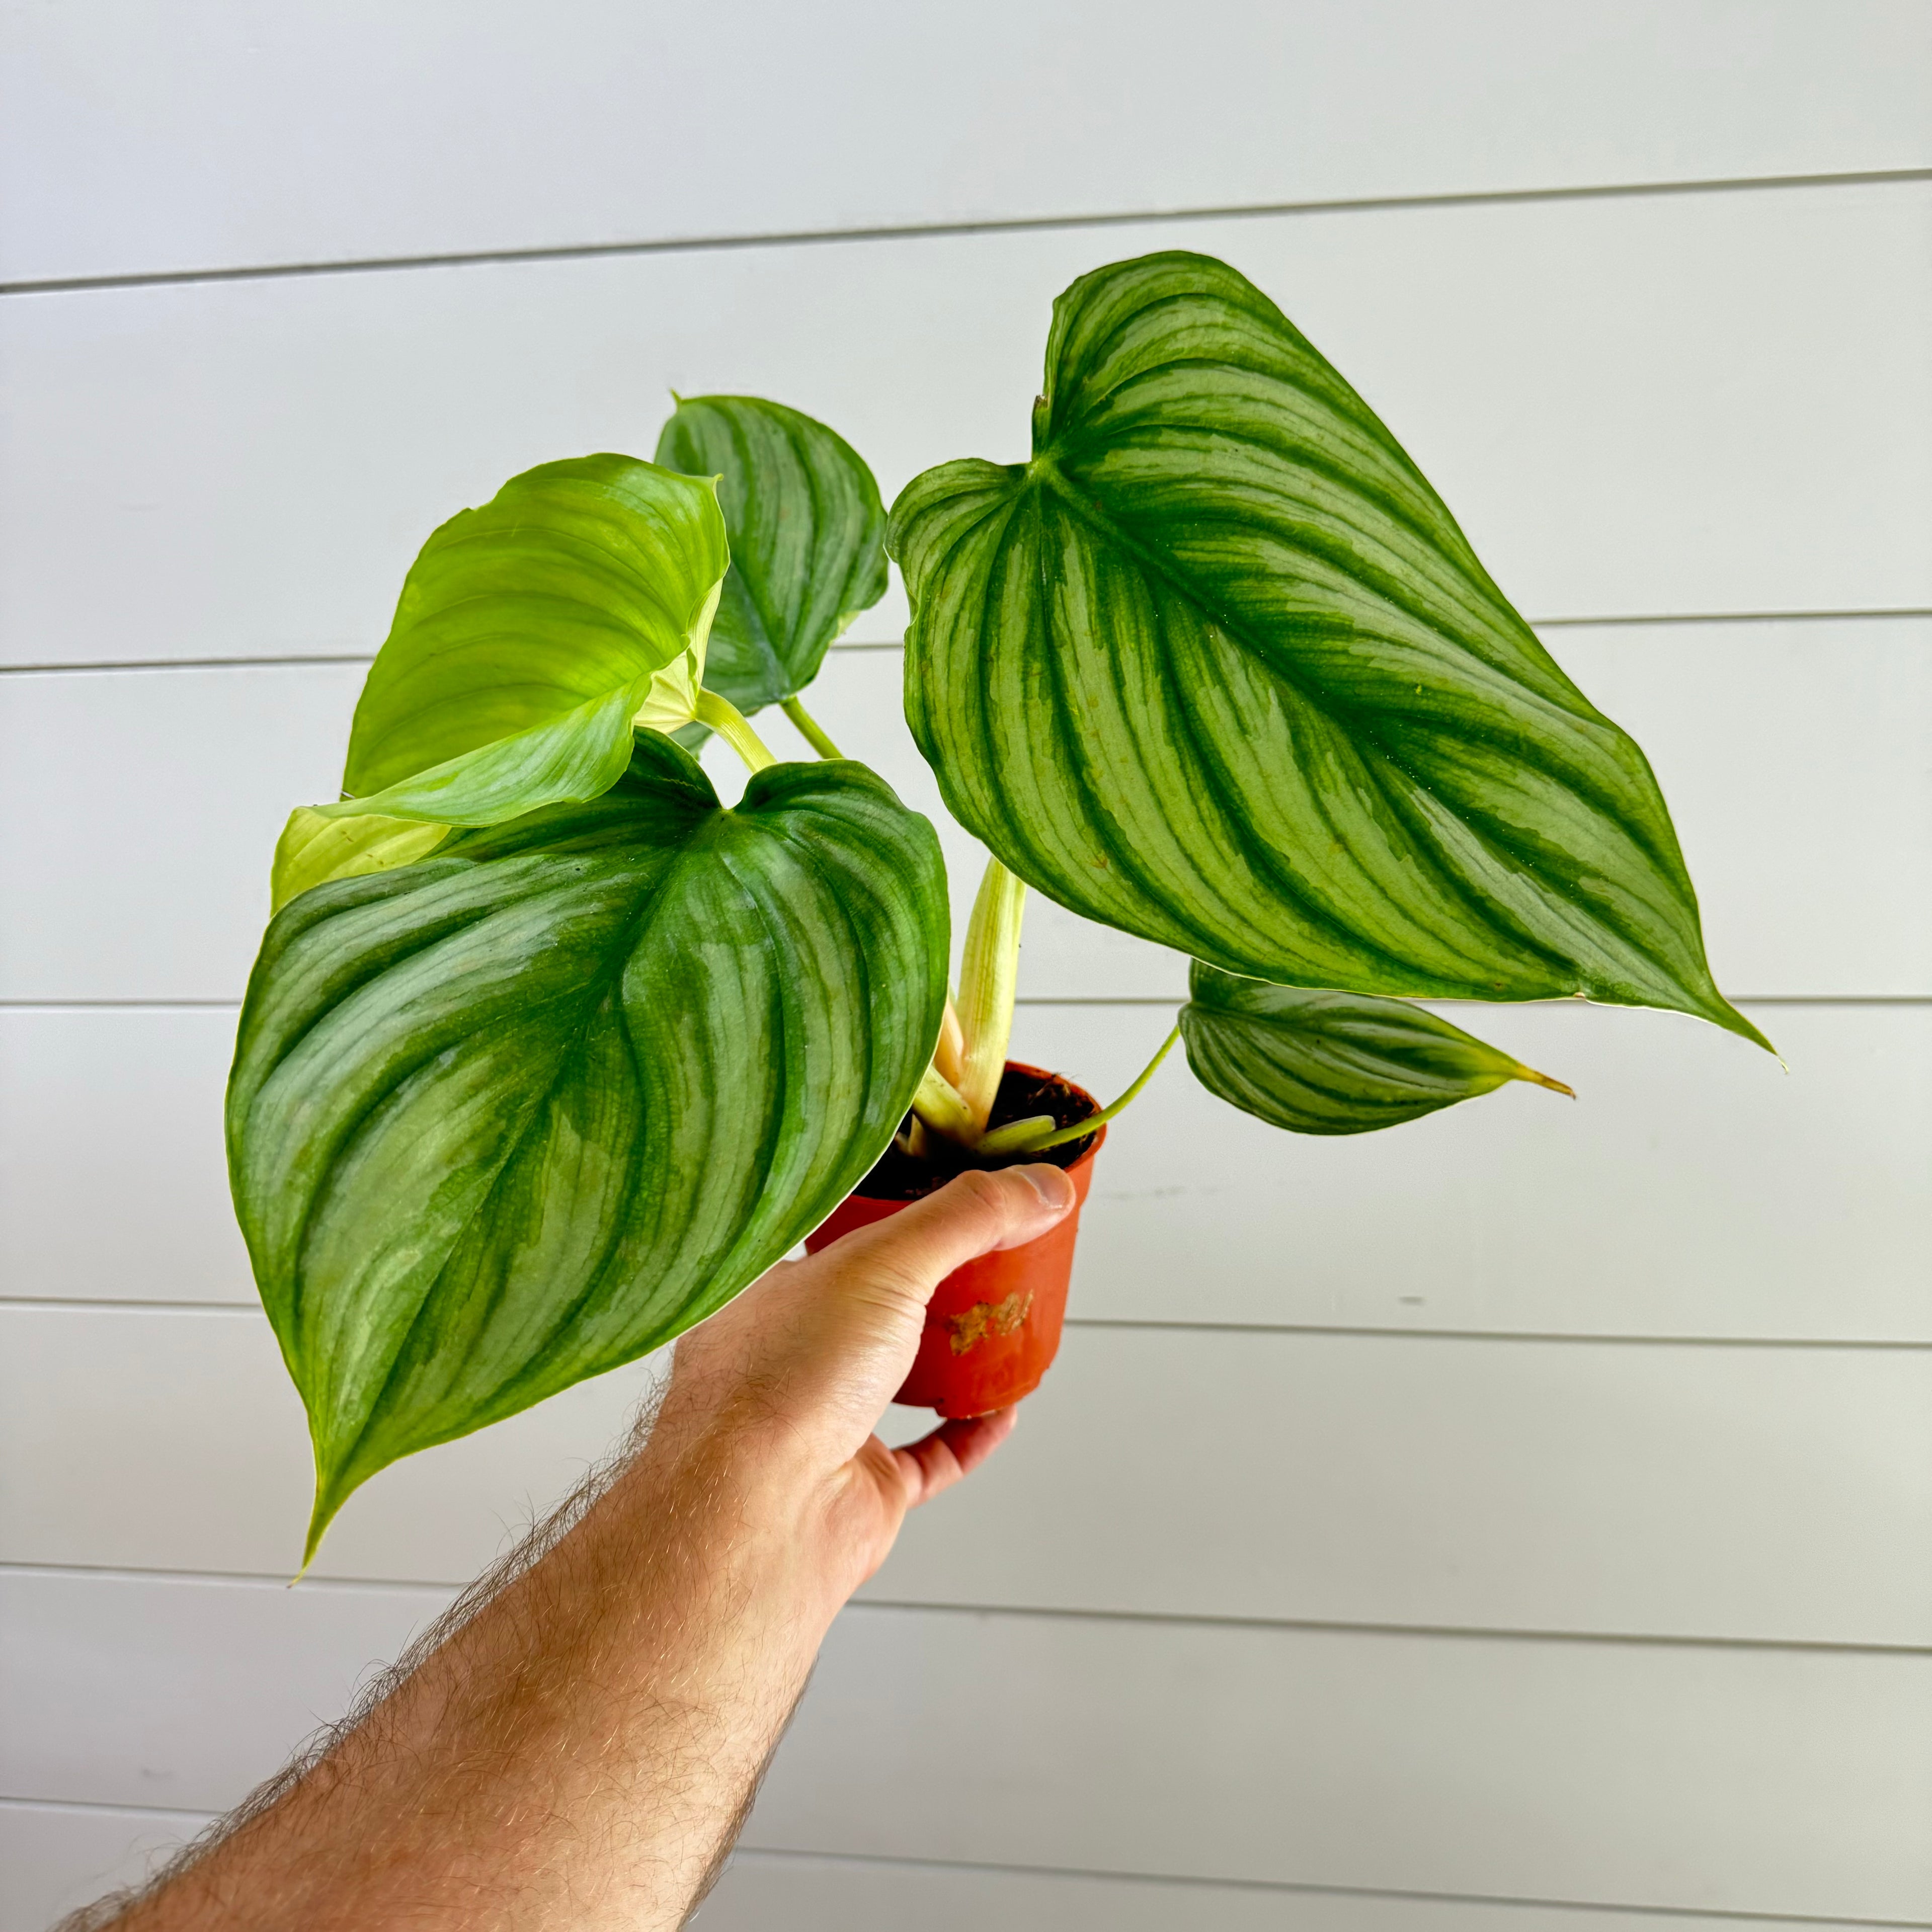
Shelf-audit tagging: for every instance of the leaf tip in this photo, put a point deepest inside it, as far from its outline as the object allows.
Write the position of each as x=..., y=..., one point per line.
x=331, y=1493
x=1728, y=1017
x=1536, y=1079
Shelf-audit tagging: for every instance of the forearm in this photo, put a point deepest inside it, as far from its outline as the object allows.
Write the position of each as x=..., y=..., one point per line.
x=577, y=1749
x=579, y=1752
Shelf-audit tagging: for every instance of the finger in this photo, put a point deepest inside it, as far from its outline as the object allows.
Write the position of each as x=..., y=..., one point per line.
x=953, y=1450
x=974, y=1214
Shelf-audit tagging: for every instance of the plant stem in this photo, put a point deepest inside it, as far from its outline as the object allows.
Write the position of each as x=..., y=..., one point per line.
x=937, y=1103
x=731, y=724
x=813, y=731
x=1023, y=1141
x=1016, y=1136
x=950, y=1055
x=989, y=978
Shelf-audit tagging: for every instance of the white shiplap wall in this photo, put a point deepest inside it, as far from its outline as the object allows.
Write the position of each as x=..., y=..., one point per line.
x=1517, y=1520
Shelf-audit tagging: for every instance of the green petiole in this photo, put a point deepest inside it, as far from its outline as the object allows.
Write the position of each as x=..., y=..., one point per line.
x=735, y=728
x=809, y=727
x=1025, y=1136
x=938, y=1104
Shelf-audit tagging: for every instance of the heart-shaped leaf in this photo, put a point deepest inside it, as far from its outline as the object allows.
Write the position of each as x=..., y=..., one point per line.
x=526, y=1109
x=1320, y=1063
x=806, y=527
x=1216, y=666
x=532, y=634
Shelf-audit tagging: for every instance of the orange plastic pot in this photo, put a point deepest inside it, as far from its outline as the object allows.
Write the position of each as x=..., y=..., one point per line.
x=993, y=1327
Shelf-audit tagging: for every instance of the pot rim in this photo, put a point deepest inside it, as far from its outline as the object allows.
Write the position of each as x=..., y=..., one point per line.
x=1071, y=1167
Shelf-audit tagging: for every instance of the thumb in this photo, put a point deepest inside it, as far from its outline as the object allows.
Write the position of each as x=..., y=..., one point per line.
x=975, y=1213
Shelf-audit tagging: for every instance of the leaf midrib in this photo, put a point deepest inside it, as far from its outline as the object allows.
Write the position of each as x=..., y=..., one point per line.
x=1044, y=472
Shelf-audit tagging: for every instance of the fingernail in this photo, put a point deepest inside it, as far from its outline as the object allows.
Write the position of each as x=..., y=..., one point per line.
x=1049, y=1182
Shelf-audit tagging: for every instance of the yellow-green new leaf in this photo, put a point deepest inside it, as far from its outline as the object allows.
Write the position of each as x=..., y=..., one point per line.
x=526, y=1109
x=1216, y=666
x=531, y=636
x=314, y=849
x=1325, y=1063
x=807, y=531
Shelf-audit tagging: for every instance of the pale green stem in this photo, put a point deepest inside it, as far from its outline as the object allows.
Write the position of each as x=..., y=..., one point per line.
x=1020, y=1137
x=948, y=1056
x=989, y=978
x=813, y=732
x=937, y=1103
x=731, y=724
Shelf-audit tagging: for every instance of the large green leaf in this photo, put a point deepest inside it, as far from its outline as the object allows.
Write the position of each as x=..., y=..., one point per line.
x=806, y=528
x=531, y=636
x=1216, y=666
x=526, y=1109
x=1322, y=1062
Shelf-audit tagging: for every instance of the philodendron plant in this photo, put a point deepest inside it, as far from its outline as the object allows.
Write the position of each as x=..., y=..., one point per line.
x=548, y=1053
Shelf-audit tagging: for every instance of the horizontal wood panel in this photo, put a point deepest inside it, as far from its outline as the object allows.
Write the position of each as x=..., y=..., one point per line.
x=815, y=1893
x=250, y=132
x=1337, y=1479
x=139, y=813
x=1748, y=1493
x=178, y=1438
x=55, y=1858
x=1633, y=1774
x=1734, y=1780
x=1684, y=404
x=113, y=1182
x=1694, y=1189
x=1792, y=754
x=182, y=1694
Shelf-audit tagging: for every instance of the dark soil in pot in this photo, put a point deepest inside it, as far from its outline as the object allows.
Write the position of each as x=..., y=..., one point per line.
x=1024, y=1092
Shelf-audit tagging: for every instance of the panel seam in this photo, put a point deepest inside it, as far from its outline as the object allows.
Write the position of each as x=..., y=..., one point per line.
x=1002, y=225
x=1642, y=620
x=1058, y=1613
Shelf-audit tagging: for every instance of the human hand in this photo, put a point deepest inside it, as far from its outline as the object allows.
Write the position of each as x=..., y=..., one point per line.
x=581, y=1747
x=795, y=1374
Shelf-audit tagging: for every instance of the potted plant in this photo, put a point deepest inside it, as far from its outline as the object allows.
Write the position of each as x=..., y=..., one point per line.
x=547, y=1054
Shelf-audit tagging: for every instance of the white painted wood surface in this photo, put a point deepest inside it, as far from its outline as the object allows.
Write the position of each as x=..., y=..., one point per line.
x=811, y=1893
x=1794, y=756
x=181, y=1693
x=1621, y=1773
x=1661, y=405
x=1692, y=1190
x=1630, y=1774
x=53, y=1857
x=1640, y=1490
x=56, y=1858
x=242, y=132
x=1642, y=1209
x=1697, y=405
x=113, y=1184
